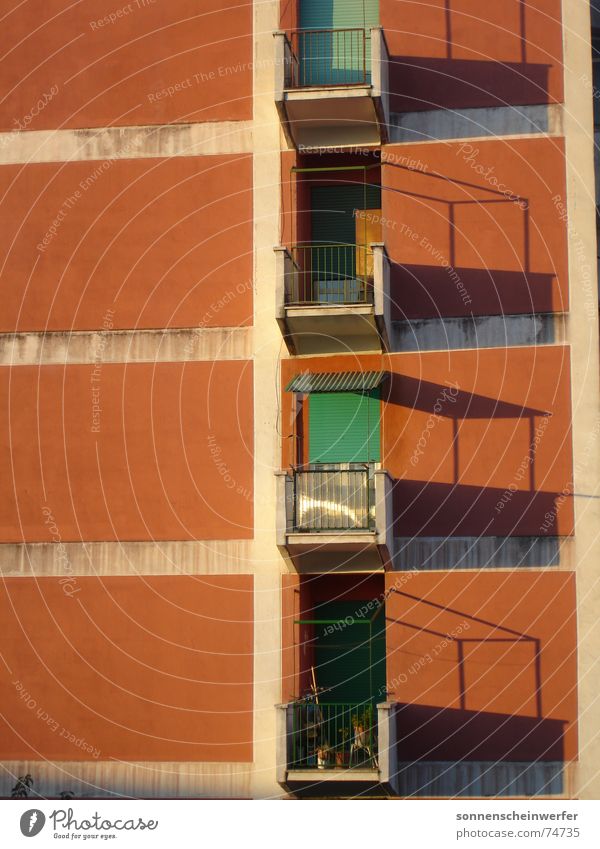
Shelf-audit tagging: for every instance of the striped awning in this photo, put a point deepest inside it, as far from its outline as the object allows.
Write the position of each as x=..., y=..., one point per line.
x=345, y=381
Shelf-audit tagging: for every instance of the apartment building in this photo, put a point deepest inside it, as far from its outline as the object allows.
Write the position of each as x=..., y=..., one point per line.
x=299, y=365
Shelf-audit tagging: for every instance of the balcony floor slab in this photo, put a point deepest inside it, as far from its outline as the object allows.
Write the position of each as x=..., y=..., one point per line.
x=333, y=775
x=336, y=116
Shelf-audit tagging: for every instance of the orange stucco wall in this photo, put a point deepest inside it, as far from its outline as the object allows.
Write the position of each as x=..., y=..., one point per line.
x=487, y=210
x=457, y=434
x=452, y=53
x=161, y=242
x=155, y=63
x=512, y=695
x=288, y=17
x=127, y=452
x=152, y=668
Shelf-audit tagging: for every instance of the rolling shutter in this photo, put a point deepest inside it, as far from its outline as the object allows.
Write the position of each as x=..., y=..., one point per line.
x=336, y=58
x=332, y=211
x=350, y=660
x=344, y=427
x=316, y=14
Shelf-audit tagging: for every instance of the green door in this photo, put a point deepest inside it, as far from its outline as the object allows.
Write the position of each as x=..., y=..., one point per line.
x=333, y=236
x=336, y=47
x=344, y=427
x=350, y=659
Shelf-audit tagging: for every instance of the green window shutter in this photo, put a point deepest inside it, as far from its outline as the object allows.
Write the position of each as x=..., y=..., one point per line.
x=335, y=59
x=344, y=427
x=350, y=660
x=332, y=211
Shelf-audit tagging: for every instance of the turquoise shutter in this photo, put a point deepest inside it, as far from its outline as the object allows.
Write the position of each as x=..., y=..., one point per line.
x=336, y=58
x=344, y=427
x=319, y=14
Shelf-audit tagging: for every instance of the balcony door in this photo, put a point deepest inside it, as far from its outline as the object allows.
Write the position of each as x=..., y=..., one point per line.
x=350, y=659
x=335, y=45
x=342, y=218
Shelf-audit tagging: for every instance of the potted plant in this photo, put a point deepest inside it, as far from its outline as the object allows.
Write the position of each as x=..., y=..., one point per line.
x=343, y=752
x=363, y=737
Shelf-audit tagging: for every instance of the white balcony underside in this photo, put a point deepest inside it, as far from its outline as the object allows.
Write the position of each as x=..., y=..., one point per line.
x=318, y=776
x=326, y=117
x=316, y=553
x=321, y=329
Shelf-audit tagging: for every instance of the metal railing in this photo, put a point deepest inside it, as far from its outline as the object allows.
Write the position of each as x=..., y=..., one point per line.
x=329, y=274
x=329, y=57
x=327, y=498
x=332, y=736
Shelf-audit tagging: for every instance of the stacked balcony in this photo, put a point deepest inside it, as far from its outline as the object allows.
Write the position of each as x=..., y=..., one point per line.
x=351, y=629
x=334, y=500
x=331, y=86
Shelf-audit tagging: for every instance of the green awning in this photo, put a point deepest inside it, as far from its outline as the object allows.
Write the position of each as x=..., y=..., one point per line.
x=345, y=381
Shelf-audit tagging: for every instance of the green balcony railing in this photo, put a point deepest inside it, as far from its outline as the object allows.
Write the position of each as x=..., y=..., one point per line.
x=327, y=498
x=332, y=736
x=329, y=274
x=329, y=57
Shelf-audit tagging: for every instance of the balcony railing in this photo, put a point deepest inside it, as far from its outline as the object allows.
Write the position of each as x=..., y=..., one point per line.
x=329, y=57
x=327, y=498
x=332, y=736
x=329, y=274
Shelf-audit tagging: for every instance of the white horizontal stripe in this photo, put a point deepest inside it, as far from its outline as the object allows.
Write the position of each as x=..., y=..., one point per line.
x=198, y=557
x=126, y=142
x=125, y=346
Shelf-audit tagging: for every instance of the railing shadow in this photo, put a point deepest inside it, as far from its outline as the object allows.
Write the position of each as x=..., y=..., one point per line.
x=426, y=732
x=431, y=508
x=443, y=733
x=430, y=291
x=421, y=83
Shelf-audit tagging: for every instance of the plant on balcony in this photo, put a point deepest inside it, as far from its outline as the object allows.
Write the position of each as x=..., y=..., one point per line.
x=22, y=787
x=342, y=752
x=362, y=748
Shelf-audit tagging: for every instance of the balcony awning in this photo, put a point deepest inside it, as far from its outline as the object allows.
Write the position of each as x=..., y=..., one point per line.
x=345, y=381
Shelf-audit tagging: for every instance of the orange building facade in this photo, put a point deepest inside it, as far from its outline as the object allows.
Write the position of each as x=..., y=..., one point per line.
x=299, y=391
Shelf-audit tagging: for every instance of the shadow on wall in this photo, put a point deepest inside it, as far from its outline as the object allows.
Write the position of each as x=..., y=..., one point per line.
x=418, y=84
x=426, y=291
x=443, y=733
x=432, y=733
x=425, y=508
x=444, y=287
x=450, y=81
x=429, y=508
